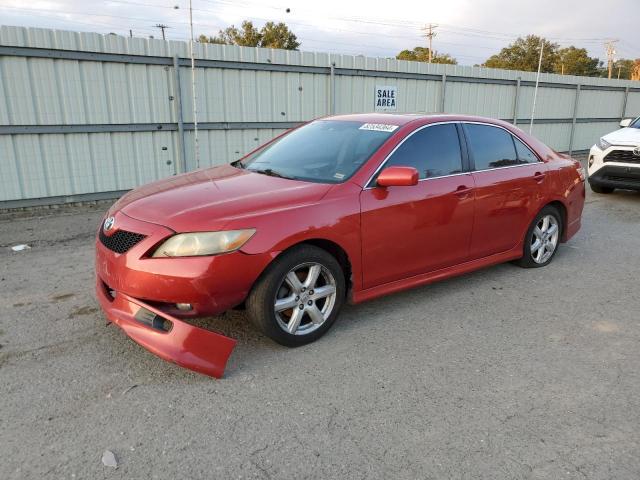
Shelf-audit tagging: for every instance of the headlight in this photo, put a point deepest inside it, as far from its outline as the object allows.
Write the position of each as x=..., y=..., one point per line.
x=603, y=144
x=203, y=243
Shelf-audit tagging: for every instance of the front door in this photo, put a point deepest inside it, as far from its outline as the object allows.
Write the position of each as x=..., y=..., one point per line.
x=416, y=229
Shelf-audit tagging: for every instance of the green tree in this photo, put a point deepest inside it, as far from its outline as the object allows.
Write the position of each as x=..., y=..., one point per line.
x=205, y=39
x=421, y=54
x=271, y=35
x=524, y=53
x=278, y=35
x=624, y=67
x=576, y=61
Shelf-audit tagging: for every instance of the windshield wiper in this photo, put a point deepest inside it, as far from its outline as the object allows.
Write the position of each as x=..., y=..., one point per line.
x=271, y=172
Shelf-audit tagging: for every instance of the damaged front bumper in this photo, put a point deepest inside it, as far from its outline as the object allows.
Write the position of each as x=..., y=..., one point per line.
x=164, y=335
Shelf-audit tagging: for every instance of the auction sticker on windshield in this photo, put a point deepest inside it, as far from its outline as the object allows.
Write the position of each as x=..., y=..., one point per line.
x=378, y=127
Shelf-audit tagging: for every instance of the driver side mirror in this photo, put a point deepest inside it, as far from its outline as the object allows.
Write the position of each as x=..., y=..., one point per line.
x=398, y=177
x=625, y=123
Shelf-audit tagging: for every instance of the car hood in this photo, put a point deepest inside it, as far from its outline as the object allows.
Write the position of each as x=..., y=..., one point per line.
x=624, y=136
x=209, y=199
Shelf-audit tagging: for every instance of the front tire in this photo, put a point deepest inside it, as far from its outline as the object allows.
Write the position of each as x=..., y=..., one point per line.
x=542, y=239
x=298, y=297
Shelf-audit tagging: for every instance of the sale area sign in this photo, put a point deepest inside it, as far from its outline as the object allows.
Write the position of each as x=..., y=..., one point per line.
x=386, y=98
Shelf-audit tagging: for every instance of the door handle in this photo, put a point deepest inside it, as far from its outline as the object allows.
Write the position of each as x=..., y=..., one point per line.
x=539, y=176
x=462, y=191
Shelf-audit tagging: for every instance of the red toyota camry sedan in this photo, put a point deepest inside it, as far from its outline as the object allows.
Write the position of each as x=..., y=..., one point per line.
x=345, y=208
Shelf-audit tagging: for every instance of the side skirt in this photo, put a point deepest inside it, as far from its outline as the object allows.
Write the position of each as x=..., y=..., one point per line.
x=431, y=277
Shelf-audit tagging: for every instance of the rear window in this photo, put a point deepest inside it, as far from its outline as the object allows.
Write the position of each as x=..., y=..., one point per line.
x=323, y=151
x=491, y=147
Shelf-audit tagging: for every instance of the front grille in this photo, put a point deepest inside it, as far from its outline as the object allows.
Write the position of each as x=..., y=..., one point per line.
x=623, y=156
x=121, y=241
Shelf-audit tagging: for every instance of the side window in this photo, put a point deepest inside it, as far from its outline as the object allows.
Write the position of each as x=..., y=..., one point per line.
x=433, y=151
x=491, y=147
x=525, y=155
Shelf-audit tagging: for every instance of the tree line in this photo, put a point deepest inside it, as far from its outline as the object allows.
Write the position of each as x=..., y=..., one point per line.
x=522, y=54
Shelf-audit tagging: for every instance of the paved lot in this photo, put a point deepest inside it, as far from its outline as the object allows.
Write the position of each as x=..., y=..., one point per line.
x=503, y=373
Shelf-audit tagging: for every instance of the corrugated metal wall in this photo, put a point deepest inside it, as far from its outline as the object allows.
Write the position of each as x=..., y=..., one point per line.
x=84, y=115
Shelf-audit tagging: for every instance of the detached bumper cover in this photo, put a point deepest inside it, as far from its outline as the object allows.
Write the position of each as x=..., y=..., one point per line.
x=176, y=341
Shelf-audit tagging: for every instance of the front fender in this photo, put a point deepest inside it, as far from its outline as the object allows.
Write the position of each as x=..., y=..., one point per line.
x=335, y=218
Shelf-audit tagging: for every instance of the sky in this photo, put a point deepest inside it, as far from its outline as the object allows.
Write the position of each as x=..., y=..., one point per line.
x=470, y=31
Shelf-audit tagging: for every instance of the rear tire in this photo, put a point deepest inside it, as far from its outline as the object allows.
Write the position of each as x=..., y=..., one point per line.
x=542, y=239
x=298, y=297
x=601, y=189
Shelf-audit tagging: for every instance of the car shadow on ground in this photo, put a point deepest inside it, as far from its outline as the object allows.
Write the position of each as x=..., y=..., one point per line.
x=363, y=320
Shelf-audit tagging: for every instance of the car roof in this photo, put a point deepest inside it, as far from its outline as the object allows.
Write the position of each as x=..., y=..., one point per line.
x=406, y=118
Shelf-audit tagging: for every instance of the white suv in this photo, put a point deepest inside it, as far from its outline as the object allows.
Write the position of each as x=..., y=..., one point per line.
x=614, y=162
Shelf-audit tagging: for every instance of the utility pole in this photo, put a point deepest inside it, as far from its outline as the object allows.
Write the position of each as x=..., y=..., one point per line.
x=611, y=53
x=162, y=27
x=196, y=147
x=535, y=91
x=430, y=29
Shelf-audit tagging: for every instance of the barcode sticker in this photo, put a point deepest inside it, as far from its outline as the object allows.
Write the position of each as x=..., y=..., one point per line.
x=379, y=127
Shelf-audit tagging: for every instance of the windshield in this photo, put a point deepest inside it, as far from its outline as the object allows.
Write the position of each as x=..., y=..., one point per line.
x=324, y=151
x=635, y=123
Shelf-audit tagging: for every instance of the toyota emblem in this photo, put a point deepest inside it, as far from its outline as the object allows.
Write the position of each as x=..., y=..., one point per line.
x=636, y=151
x=108, y=224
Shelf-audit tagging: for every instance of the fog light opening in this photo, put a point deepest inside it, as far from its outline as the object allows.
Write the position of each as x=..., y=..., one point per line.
x=185, y=307
x=152, y=320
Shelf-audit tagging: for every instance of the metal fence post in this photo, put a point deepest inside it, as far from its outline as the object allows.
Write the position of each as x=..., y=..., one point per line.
x=444, y=90
x=181, y=164
x=624, y=103
x=332, y=89
x=573, y=121
x=515, y=101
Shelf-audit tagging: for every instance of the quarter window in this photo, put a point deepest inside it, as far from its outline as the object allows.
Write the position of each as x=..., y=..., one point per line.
x=491, y=147
x=525, y=155
x=434, y=151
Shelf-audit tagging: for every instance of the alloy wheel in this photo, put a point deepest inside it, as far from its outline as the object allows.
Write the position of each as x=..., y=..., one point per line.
x=305, y=299
x=544, y=240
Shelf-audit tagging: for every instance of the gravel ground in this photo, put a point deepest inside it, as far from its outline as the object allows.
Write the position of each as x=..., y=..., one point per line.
x=502, y=373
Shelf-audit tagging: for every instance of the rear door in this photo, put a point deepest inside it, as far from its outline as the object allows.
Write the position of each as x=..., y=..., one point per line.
x=409, y=230
x=509, y=180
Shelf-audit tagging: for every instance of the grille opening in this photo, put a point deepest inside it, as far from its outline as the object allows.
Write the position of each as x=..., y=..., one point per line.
x=121, y=241
x=621, y=179
x=623, y=156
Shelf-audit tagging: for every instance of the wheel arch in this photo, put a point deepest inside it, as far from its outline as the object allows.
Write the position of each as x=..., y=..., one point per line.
x=334, y=249
x=339, y=253
x=562, y=209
